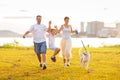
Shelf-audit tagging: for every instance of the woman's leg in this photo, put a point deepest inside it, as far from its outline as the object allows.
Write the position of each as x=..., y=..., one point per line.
x=65, y=64
x=64, y=60
x=68, y=51
x=68, y=62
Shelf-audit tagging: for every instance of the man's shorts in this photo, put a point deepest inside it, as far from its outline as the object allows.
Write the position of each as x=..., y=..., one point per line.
x=40, y=48
x=52, y=47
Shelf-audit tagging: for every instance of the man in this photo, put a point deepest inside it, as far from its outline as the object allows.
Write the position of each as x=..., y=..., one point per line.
x=38, y=30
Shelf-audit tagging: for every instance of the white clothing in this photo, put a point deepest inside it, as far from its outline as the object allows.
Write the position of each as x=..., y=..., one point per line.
x=66, y=34
x=51, y=41
x=38, y=31
x=66, y=47
x=66, y=43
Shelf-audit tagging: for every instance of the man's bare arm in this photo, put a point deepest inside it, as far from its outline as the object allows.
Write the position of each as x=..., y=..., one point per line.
x=26, y=33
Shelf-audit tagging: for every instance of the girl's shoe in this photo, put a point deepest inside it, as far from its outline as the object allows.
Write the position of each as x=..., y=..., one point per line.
x=53, y=59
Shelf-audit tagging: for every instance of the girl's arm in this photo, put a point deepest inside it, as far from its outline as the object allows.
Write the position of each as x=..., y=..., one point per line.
x=56, y=28
x=49, y=26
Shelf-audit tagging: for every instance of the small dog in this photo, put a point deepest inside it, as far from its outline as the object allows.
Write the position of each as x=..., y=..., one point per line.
x=84, y=59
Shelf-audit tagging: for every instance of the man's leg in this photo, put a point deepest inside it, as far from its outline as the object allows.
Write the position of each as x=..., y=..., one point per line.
x=36, y=49
x=39, y=58
x=43, y=57
x=43, y=49
x=44, y=61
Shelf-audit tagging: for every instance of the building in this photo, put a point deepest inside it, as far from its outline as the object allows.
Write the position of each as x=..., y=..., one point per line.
x=93, y=28
x=118, y=28
x=107, y=32
x=82, y=27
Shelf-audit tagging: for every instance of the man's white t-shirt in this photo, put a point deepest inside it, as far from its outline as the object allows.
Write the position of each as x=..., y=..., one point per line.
x=38, y=31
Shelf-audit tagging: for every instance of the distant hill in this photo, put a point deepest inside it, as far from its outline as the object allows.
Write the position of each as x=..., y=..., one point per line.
x=7, y=33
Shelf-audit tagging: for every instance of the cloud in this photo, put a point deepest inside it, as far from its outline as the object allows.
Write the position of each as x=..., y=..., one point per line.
x=22, y=10
x=18, y=17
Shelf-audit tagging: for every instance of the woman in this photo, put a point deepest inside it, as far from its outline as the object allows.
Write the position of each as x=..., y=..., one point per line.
x=66, y=43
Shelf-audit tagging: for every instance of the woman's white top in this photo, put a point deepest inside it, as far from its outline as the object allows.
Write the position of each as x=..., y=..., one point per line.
x=66, y=32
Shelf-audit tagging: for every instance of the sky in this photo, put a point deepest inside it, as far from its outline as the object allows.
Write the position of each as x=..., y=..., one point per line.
x=19, y=15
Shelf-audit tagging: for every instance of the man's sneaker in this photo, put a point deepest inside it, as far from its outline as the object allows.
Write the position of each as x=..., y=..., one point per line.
x=53, y=59
x=40, y=65
x=68, y=63
x=44, y=67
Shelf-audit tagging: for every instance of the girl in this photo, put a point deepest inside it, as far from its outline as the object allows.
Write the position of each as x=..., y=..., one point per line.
x=52, y=33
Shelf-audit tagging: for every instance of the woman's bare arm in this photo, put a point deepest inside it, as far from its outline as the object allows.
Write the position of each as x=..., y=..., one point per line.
x=72, y=31
x=61, y=28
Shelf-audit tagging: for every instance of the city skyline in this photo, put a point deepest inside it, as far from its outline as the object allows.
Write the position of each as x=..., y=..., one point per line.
x=19, y=15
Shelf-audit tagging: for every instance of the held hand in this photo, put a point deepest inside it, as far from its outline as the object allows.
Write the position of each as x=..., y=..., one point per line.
x=76, y=31
x=55, y=26
x=23, y=36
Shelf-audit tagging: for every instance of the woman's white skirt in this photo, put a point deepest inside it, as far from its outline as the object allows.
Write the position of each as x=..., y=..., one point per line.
x=66, y=47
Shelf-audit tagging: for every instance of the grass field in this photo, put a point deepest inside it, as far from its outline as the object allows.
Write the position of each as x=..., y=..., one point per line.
x=22, y=64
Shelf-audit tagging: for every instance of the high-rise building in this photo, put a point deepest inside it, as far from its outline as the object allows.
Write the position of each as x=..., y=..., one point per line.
x=94, y=27
x=82, y=27
x=118, y=26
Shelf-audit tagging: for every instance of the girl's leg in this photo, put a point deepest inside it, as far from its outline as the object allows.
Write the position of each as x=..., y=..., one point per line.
x=53, y=58
x=57, y=50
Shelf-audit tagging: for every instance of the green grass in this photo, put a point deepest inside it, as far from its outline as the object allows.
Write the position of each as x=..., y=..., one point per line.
x=22, y=64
